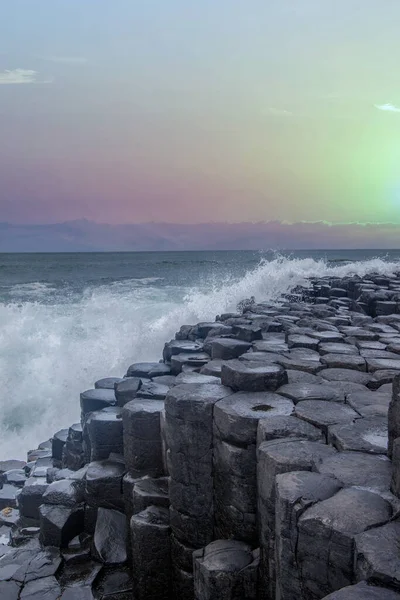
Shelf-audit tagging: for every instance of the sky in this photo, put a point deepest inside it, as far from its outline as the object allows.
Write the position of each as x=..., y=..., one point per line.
x=188, y=112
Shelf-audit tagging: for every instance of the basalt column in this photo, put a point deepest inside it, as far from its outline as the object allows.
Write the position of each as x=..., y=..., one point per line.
x=235, y=462
x=189, y=412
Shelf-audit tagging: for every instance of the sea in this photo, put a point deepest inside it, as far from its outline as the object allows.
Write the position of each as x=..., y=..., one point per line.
x=67, y=320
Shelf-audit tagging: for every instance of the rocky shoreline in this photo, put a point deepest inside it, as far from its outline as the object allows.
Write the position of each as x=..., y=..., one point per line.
x=259, y=460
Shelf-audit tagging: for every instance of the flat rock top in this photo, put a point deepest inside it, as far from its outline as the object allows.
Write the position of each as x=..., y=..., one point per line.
x=363, y=591
x=349, y=512
x=378, y=552
x=338, y=374
x=305, y=485
x=254, y=405
x=227, y=555
x=251, y=367
x=358, y=469
x=321, y=412
x=104, y=469
x=310, y=391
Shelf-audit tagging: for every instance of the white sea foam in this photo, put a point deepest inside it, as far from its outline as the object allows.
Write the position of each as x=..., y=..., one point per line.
x=51, y=352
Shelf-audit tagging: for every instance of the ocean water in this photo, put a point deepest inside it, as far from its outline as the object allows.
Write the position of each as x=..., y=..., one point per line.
x=69, y=319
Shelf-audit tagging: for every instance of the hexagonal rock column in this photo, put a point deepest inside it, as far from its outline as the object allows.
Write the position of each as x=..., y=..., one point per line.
x=149, y=492
x=273, y=458
x=92, y=400
x=142, y=437
x=363, y=591
x=394, y=415
x=73, y=457
x=295, y=492
x=252, y=376
x=151, y=554
x=326, y=542
x=225, y=570
x=235, y=483
x=60, y=524
x=377, y=555
x=189, y=431
x=395, y=484
x=105, y=433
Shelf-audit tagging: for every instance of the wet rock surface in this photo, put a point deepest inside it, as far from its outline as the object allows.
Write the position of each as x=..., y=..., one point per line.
x=260, y=460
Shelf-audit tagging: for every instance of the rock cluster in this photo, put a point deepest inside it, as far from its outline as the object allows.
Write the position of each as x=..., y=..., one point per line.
x=259, y=460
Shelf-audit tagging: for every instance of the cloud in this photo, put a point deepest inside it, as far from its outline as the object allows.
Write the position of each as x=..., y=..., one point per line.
x=387, y=107
x=65, y=60
x=278, y=112
x=10, y=77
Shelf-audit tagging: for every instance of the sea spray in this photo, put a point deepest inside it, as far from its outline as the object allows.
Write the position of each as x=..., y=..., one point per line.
x=54, y=347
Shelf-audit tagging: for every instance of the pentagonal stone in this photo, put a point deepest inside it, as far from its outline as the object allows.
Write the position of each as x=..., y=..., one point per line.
x=151, y=554
x=252, y=377
x=15, y=477
x=46, y=588
x=31, y=497
x=153, y=391
x=394, y=415
x=343, y=361
x=225, y=569
x=346, y=374
x=326, y=537
x=395, y=483
x=181, y=347
x=105, y=433
x=295, y=492
x=381, y=378
x=303, y=391
x=363, y=591
x=322, y=414
x=286, y=427
x=178, y=361
x=212, y=368
x=264, y=357
x=236, y=417
x=369, y=404
x=303, y=377
x=367, y=353
x=271, y=345
x=334, y=348
x=65, y=492
x=328, y=336
x=377, y=557
x=364, y=435
x=273, y=458
x=358, y=469
x=60, y=524
x=302, y=341
x=107, y=383
x=377, y=364
x=58, y=442
x=142, y=437
x=103, y=484
x=127, y=389
x=184, y=378
x=227, y=348
x=303, y=354
x=394, y=347
x=308, y=366
x=148, y=370
x=248, y=333
x=92, y=400
x=110, y=536
x=150, y=492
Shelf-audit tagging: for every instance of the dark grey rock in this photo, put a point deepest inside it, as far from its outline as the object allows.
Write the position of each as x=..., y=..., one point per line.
x=114, y=583
x=108, y=383
x=184, y=378
x=395, y=483
x=9, y=590
x=343, y=361
x=31, y=497
x=15, y=477
x=60, y=524
x=225, y=569
x=286, y=427
x=110, y=536
x=344, y=374
x=252, y=377
x=149, y=370
x=303, y=377
x=77, y=593
x=142, y=437
x=327, y=533
x=92, y=400
x=322, y=414
x=358, y=469
x=377, y=364
x=103, y=484
x=8, y=496
x=104, y=429
x=302, y=341
x=370, y=404
x=153, y=391
x=151, y=554
x=295, y=492
x=65, y=492
x=178, y=361
x=309, y=391
x=127, y=389
x=394, y=415
x=377, y=555
x=8, y=465
x=181, y=347
x=227, y=348
x=363, y=591
x=150, y=492
x=364, y=435
x=46, y=588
